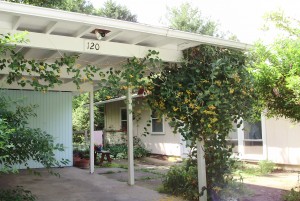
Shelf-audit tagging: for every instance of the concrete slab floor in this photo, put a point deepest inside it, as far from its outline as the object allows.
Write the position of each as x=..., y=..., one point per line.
x=78, y=185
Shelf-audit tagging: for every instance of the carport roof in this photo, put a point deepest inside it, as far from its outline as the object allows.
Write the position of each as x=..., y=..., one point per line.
x=53, y=33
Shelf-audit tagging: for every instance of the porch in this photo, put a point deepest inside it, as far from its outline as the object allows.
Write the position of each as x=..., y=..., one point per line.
x=78, y=184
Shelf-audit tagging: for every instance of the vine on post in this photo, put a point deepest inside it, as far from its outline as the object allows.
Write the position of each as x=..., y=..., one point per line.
x=202, y=97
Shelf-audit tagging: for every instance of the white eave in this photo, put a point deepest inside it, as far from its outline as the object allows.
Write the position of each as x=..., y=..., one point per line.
x=117, y=99
x=53, y=33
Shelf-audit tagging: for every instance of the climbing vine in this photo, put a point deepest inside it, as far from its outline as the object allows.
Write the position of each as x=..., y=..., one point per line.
x=202, y=97
x=38, y=73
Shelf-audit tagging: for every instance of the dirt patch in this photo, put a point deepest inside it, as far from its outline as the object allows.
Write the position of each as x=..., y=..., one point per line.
x=149, y=173
x=262, y=193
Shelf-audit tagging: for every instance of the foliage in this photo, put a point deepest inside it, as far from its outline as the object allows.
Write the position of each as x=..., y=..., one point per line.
x=262, y=168
x=113, y=10
x=188, y=18
x=292, y=195
x=19, y=143
x=16, y=194
x=82, y=152
x=117, y=150
x=120, y=150
x=286, y=24
x=202, y=96
x=266, y=166
x=80, y=119
x=276, y=69
x=182, y=180
x=45, y=75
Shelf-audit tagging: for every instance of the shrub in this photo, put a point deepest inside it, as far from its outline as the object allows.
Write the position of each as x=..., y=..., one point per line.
x=219, y=168
x=293, y=195
x=266, y=167
x=182, y=180
x=16, y=194
x=120, y=150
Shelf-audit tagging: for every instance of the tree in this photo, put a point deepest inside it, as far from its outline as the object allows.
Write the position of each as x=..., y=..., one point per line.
x=113, y=10
x=276, y=68
x=81, y=6
x=187, y=18
x=110, y=9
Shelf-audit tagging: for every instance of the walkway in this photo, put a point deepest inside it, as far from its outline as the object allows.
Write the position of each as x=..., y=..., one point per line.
x=78, y=185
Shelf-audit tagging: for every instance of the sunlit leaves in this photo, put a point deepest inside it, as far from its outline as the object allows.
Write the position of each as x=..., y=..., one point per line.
x=276, y=68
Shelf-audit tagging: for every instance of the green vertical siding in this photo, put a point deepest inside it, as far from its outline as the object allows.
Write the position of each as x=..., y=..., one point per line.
x=54, y=115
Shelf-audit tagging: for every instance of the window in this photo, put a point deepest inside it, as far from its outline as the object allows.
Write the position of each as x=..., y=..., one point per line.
x=253, y=142
x=157, y=126
x=124, y=119
x=248, y=140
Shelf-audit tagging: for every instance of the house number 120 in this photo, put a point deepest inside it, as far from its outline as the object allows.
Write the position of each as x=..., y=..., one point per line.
x=93, y=46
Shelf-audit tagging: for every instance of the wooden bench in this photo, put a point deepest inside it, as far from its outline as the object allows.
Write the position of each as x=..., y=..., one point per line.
x=103, y=155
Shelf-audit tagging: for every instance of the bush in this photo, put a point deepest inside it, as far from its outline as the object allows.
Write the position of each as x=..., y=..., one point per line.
x=293, y=195
x=182, y=180
x=120, y=150
x=219, y=167
x=266, y=167
x=17, y=194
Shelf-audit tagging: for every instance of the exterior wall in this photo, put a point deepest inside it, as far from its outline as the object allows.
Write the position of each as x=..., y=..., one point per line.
x=283, y=141
x=167, y=143
x=54, y=115
x=281, y=138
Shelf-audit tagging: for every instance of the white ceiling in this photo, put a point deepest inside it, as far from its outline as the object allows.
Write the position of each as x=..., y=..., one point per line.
x=53, y=33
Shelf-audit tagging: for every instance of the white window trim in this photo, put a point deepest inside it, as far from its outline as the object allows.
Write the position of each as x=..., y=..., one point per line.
x=122, y=108
x=163, y=125
x=241, y=138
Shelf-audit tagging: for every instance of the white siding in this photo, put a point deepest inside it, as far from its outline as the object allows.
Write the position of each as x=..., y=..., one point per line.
x=167, y=143
x=54, y=115
x=283, y=141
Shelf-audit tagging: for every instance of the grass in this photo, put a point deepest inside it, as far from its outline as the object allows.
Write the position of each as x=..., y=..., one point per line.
x=150, y=171
x=113, y=165
x=252, y=170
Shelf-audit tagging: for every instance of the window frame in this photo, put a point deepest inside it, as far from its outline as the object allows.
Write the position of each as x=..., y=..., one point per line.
x=162, y=122
x=121, y=120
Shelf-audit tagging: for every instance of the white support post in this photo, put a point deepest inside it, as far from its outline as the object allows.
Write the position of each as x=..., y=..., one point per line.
x=201, y=169
x=92, y=168
x=130, y=138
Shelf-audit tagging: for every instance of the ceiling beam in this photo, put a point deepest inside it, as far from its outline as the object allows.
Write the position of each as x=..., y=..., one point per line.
x=50, y=27
x=139, y=39
x=79, y=45
x=84, y=87
x=82, y=31
x=164, y=42
x=16, y=22
x=112, y=35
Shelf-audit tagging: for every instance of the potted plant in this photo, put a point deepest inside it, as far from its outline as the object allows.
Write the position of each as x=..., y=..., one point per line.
x=81, y=158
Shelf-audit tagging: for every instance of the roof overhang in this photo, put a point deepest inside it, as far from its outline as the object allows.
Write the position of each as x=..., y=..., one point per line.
x=52, y=33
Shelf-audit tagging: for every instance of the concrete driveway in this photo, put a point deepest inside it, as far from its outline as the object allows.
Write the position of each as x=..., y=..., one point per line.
x=78, y=185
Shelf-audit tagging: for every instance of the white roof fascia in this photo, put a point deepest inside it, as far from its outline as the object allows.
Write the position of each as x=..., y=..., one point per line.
x=117, y=99
x=92, y=20
x=72, y=44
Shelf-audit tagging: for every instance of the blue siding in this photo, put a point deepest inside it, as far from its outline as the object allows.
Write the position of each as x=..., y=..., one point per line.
x=54, y=115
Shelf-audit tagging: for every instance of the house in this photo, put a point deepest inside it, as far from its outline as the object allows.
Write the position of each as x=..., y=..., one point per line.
x=160, y=138
x=277, y=140
x=53, y=33
x=274, y=139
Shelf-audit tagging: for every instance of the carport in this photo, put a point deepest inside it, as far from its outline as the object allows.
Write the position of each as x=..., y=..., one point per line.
x=53, y=33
